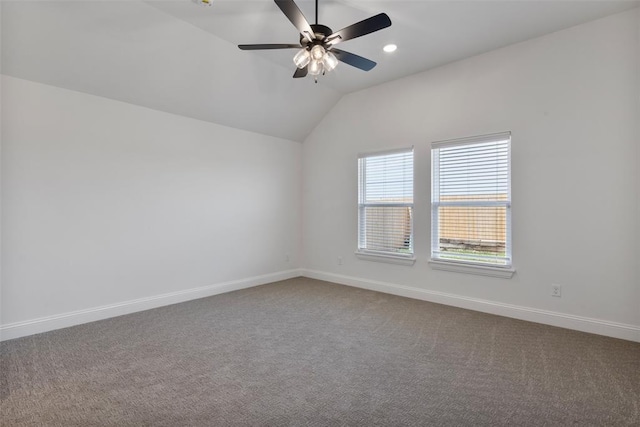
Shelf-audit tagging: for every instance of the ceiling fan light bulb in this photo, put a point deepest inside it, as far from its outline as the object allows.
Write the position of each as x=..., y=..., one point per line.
x=329, y=61
x=317, y=52
x=315, y=67
x=302, y=58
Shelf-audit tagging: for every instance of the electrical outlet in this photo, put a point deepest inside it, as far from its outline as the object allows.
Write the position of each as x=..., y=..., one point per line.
x=556, y=291
x=339, y=260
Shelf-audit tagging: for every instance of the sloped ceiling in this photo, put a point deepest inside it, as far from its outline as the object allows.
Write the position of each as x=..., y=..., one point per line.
x=182, y=58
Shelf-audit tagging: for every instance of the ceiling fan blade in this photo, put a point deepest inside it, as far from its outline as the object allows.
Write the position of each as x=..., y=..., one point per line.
x=268, y=46
x=291, y=11
x=300, y=72
x=361, y=28
x=353, y=59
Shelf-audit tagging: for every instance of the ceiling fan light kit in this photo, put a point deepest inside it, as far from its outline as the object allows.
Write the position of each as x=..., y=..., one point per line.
x=318, y=59
x=302, y=58
x=329, y=61
x=317, y=54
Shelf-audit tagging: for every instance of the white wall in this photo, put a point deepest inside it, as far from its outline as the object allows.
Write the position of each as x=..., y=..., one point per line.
x=570, y=100
x=0, y=172
x=105, y=202
x=638, y=153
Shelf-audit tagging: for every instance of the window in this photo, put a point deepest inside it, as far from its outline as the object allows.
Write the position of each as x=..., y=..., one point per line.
x=385, y=204
x=471, y=201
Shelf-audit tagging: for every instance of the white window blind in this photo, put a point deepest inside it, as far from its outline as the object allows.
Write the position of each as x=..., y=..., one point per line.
x=385, y=203
x=471, y=200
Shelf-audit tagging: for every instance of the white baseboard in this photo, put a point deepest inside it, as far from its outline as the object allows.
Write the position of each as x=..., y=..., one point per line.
x=568, y=321
x=64, y=320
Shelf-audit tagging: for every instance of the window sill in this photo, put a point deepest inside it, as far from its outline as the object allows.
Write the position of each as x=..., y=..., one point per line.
x=391, y=259
x=481, y=270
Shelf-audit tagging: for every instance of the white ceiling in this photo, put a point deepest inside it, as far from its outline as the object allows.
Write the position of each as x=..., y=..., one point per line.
x=178, y=57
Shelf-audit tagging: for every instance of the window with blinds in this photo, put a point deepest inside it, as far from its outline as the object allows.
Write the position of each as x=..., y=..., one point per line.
x=471, y=200
x=385, y=203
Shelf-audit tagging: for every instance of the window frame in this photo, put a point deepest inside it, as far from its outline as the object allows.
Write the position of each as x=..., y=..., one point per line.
x=460, y=265
x=375, y=255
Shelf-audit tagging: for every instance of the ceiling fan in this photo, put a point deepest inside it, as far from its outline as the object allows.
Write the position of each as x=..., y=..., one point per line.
x=317, y=54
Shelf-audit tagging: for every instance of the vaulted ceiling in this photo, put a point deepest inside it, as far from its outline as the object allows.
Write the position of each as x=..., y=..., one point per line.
x=182, y=58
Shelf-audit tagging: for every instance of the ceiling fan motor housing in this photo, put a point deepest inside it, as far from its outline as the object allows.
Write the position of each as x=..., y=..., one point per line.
x=320, y=33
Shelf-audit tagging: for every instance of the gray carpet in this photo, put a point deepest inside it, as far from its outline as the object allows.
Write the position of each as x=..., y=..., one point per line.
x=305, y=352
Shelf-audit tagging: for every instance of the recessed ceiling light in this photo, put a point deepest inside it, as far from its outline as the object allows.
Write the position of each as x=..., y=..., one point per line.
x=390, y=48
